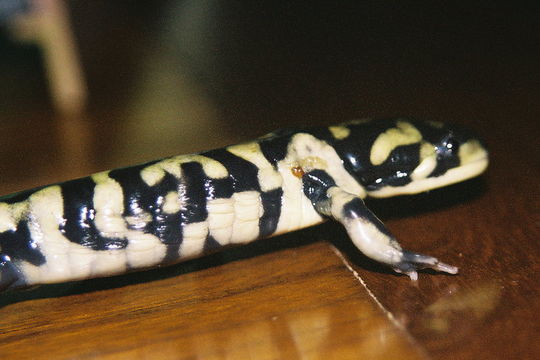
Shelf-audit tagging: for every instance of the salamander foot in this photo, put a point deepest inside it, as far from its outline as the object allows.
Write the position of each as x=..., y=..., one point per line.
x=412, y=261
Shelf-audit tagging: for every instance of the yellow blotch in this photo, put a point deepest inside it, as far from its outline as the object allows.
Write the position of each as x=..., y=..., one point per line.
x=268, y=177
x=312, y=162
x=339, y=132
x=212, y=168
x=10, y=215
x=403, y=134
x=428, y=161
x=108, y=197
x=101, y=177
x=172, y=165
x=172, y=203
x=153, y=174
x=471, y=151
x=248, y=151
x=426, y=150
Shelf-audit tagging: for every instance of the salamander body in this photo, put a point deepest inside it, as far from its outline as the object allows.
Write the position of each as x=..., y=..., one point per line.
x=181, y=207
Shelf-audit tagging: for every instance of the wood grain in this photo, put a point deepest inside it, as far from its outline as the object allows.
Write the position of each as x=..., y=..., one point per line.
x=293, y=303
x=167, y=79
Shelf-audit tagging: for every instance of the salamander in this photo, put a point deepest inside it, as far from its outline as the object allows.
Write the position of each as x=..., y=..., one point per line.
x=182, y=207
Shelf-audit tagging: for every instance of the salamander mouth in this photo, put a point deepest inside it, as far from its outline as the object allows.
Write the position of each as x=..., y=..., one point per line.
x=474, y=160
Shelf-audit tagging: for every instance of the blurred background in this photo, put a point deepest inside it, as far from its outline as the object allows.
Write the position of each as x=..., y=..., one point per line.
x=91, y=85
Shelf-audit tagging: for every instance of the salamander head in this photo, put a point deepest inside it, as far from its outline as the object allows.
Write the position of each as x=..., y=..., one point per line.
x=403, y=156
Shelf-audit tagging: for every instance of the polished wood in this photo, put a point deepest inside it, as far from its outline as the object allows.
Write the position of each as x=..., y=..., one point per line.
x=234, y=73
x=491, y=307
x=293, y=303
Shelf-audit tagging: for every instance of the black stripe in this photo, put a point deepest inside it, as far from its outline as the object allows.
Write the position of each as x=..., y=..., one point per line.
x=194, y=180
x=271, y=202
x=242, y=172
x=395, y=170
x=356, y=208
x=447, y=155
x=315, y=184
x=10, y=276
x=274, y=148
x=167, y=227
x=140, y=198
x=355, y=149
x=19, y=246
x=211, y=245
x=218, y=188
x=79, y=213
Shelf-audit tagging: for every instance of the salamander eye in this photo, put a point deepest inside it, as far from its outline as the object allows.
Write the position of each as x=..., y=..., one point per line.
x=451, y=144
x=448, y=145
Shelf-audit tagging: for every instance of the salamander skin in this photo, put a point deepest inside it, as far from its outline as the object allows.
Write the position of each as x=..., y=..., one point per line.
x=182, y=207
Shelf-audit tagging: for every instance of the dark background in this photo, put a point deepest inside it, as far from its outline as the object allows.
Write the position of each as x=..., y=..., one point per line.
x=171, y=77
x=182, y=76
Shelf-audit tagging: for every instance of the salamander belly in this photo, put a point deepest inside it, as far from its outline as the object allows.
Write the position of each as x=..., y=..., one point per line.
x=297, y=210
x=147, y=215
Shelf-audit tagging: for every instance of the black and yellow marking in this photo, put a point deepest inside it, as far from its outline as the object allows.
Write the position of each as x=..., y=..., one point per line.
x=182, y=207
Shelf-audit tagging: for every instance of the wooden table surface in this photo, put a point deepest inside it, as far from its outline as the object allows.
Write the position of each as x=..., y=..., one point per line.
x=176, y=77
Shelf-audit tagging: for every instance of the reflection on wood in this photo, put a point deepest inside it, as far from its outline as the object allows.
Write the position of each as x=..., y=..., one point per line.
x=295, y=303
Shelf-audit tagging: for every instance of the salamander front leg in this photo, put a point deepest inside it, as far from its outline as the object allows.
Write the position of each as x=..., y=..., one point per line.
x=371, y=237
